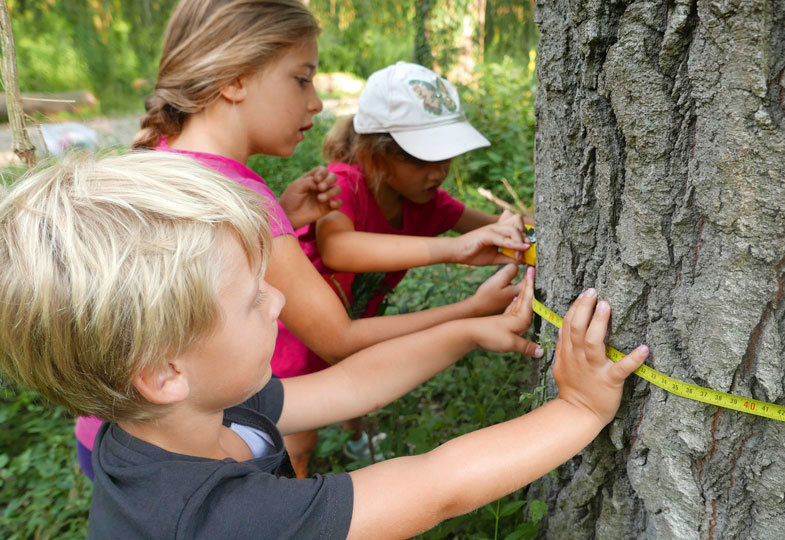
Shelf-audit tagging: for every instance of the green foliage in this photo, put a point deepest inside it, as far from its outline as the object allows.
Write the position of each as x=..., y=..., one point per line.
x=509, y=30
x=500, y=106
x=106, y=46
x=42, y=492
x=45, y=53
x=351, y=39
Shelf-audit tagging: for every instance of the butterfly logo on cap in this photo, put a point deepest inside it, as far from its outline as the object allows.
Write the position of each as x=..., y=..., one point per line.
x=433, y=96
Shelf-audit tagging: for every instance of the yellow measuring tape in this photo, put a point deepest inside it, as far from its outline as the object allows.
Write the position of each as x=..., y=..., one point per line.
x=669, y=384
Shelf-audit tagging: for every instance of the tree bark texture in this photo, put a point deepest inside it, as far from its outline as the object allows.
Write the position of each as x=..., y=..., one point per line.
x=660, y=159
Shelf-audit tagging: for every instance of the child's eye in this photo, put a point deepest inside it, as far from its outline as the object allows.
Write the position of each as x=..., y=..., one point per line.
x=303, y=81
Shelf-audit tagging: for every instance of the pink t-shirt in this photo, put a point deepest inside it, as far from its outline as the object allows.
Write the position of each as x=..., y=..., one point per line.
x=87, y=427
x=440, y=214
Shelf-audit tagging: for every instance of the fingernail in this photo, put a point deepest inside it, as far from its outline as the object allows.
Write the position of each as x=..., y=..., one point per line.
x=643, y=349
x=538, y=352
x=514, y=298
x=530, y=273
x=603, y=306
x=591, y=293
x=582, y=294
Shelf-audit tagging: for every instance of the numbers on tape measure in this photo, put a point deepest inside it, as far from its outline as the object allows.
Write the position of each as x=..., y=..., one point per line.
x=689, y=391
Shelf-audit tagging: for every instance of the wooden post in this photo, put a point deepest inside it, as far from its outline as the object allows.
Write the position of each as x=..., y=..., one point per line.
x=16, y=117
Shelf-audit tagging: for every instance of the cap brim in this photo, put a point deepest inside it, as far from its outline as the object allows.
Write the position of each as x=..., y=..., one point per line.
x=440, y=142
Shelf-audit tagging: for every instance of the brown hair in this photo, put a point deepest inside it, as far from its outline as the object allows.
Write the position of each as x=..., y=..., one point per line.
x=373, y=151
x=211, y=43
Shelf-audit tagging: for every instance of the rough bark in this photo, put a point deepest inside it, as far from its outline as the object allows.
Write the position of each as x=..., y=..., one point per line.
x=660, y=162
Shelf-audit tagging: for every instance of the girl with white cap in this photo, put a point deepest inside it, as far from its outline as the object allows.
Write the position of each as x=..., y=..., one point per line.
x=390, y=159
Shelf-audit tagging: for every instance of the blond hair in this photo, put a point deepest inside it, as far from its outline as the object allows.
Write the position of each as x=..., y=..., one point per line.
x=211, y=43
x=373, y=151
x=110, y=266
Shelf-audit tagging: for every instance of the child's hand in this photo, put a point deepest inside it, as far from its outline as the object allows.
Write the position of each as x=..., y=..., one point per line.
x=497, y=292
x=585, y=376
x=480, y=247
x=310, y=197
x=503, y=332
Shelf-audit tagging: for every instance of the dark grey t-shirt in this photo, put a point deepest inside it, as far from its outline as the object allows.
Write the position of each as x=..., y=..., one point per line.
x=143, y=491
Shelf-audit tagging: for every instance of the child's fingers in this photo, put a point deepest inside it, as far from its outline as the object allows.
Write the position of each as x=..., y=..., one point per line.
x=578, y=316
x=527, y=290
x=320, y=173
x=506, y=274
x=529, y=348
x=624, y=367
x=328, y=179
x=595, y=335
x=521, y=306
x=334, y=191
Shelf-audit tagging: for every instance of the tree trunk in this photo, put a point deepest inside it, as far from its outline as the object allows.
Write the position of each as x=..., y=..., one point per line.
x=16, y=116
x=422, y=46
x=660, y=161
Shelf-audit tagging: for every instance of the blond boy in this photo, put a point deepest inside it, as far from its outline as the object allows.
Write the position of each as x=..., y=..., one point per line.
x=132, y=288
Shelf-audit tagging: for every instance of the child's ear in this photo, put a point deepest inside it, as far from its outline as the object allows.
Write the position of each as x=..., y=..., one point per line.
x=236, y=91
x=164, y=385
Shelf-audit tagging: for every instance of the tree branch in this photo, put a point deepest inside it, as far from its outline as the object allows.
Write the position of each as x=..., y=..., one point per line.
x=16, y=118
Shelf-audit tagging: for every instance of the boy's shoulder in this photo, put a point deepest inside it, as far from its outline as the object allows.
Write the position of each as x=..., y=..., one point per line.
x=153, y=493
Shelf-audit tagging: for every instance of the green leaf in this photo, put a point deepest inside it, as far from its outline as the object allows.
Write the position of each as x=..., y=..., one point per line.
x=511, y=507
x=525, y=531
x=491, y=509
x=493, y=156
x=418, y=437
x=537, y=510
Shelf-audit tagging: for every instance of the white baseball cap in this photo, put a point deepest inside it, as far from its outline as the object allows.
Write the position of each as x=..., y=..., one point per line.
x=420, y=109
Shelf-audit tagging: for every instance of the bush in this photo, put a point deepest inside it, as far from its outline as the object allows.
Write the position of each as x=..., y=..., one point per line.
x=501, y=106
x=42, y=492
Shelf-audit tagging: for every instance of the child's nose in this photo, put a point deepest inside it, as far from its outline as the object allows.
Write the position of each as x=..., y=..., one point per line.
x=438, y=170
x=277, y=302
x=315, y=105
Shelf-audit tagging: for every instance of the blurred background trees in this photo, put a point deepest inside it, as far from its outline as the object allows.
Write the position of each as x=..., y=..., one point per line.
x=111, y=47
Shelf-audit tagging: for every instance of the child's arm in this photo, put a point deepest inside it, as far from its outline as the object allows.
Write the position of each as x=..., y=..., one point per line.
x=402, y=497
x=377, y=375
x=471, y=219
x=314, y=313
x=310, y=197
x=344, y=249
